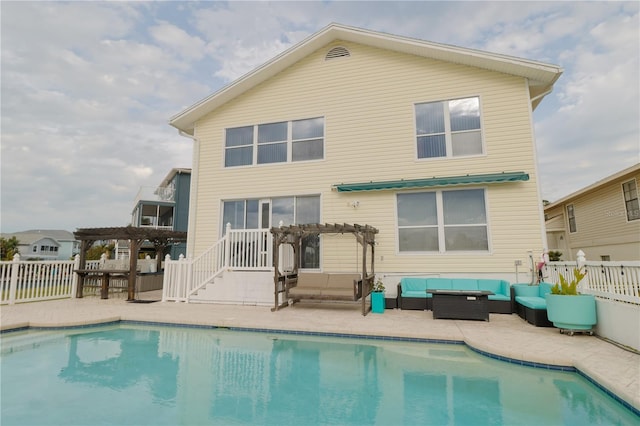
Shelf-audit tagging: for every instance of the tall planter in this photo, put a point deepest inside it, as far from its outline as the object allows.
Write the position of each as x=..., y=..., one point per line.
x=571, y=313
x=377, y=302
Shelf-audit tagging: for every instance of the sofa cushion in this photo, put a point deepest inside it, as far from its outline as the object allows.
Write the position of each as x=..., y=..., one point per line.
x=312, y=280
x=532, y=302
x=415, y=293
x=498, y=296
x=413, y=284
x=544, y=288
x=439, y=283
x=495, y=286
x=464, y=284
x=342, y=281
x=525, y=290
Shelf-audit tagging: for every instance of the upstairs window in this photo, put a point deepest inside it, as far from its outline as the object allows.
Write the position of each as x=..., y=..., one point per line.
x=571, y=217
x=239, y=147
x=449, y=128
x=272, y=143
x=307, y=139
x=632, y=207
x=298, y=140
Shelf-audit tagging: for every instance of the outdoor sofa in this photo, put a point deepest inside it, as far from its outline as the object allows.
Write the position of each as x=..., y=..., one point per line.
x=412, y=292
x=322, y=286
x=530, y=304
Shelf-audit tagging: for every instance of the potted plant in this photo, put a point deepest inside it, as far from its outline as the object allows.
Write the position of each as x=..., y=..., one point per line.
x=377, y=297
x=569, y=310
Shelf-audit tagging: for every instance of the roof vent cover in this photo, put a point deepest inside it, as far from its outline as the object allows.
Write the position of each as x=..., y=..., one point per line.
x=337, y=52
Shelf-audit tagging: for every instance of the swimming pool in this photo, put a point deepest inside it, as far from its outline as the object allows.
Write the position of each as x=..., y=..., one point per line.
x=140, y=374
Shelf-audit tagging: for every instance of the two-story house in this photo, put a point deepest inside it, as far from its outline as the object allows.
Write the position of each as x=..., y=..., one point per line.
x=431, y=144
x=165, y=206
x=602, y=219
x=46, y=244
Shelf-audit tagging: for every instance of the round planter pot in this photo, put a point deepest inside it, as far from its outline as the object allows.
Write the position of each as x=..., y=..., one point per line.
x=576, y=312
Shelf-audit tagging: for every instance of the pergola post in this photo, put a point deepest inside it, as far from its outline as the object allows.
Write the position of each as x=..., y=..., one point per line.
x=134, y=249
x=85, y=245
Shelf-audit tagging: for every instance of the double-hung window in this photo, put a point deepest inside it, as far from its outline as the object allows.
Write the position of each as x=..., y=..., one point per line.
x=239, y=147
x=298, y=140
x=571, y=217
x=631, y=200
x=448, y=128
x=442, y=221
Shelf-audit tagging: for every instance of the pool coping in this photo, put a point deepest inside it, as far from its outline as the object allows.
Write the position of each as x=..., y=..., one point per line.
x=117, y=321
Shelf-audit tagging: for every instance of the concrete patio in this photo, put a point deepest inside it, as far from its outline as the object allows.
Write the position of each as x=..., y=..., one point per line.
x=613, y=367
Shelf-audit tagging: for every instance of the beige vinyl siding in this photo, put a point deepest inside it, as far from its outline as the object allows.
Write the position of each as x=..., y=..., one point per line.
x=367, y=101
x=601, y=223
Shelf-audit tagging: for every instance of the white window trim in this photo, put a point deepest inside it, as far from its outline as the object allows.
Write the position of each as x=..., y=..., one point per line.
x=447, y=132
x=440, y=225
x=289, y=143
x=624, y=201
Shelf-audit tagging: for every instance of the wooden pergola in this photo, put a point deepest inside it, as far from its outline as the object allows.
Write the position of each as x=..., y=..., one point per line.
x=293, y=235
x=160, y=238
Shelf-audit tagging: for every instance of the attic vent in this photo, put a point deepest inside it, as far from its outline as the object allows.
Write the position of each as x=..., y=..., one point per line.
x=337, y=52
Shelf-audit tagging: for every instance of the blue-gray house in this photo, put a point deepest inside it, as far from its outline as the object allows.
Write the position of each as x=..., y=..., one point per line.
x=165, y=206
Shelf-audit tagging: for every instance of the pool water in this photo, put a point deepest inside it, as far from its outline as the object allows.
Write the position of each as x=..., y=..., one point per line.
x=130, y=374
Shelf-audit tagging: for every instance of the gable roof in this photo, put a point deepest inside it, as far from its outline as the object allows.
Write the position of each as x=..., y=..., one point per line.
x=541, y=76
x=602, y=182
x=30, y=238
x=32, y=235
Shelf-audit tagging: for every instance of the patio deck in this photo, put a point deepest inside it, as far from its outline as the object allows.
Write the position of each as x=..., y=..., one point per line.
x=506, y=335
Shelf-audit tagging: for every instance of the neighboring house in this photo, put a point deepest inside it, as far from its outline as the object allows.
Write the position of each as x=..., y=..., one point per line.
x=164, y=207
x=46, y=244
x=429, y=143
x=602, y=219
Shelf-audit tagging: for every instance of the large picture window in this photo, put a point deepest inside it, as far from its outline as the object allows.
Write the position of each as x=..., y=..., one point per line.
x=299, y=140
x=442, y=221
x=631, y=200
x=448, y=128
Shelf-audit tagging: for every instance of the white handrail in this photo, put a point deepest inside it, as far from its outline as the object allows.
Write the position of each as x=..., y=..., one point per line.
x=239, y=249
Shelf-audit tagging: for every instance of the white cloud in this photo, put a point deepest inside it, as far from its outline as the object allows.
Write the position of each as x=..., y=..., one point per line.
x=88, y=87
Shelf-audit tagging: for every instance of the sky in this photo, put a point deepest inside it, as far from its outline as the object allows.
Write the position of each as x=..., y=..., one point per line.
x=88, y=88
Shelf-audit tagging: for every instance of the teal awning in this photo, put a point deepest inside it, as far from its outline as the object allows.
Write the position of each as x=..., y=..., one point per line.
x=434, y=181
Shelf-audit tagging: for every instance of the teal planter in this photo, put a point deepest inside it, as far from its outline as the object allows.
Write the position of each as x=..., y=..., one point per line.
x=377, y=302
x=576, y=312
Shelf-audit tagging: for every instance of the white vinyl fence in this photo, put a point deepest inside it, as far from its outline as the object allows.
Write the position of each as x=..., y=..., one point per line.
x=30, y=281
x=616, y=281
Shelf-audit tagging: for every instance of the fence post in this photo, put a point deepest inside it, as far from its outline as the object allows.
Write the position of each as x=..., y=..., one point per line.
x=580, y=259
x=103, y=260
x=185, y=285
x=227, y=247
x=168, y=270
x=74, y=279
x=13, y=285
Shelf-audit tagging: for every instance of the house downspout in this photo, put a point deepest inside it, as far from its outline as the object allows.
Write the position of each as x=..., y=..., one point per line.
x=193, y=192
x=543, y=228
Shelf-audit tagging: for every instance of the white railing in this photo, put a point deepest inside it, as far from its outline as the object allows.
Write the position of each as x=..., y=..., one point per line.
x=619, y=281
x=239, y=249
x=30, y=281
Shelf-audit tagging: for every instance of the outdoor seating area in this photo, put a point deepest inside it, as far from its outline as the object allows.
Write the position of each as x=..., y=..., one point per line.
x=530, y=304
x=413, y=292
